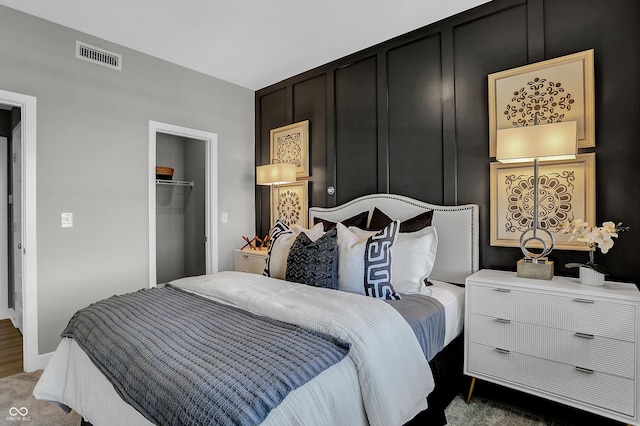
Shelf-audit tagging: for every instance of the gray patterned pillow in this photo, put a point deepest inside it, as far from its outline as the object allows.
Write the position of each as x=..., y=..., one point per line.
x=314, y=262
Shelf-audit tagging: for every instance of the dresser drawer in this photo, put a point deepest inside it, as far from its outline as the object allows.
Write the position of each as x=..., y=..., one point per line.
x=607, y=391
x=588, y=351
x=575, y=314
x=252, y=262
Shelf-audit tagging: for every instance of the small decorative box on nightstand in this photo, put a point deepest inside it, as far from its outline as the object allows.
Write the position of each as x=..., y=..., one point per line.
x=558, y=339
x=252, y=261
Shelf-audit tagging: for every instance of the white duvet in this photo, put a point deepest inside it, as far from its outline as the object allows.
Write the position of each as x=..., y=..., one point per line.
x=384, y=381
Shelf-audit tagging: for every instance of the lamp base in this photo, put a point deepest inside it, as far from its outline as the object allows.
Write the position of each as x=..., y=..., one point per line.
x=542, y=270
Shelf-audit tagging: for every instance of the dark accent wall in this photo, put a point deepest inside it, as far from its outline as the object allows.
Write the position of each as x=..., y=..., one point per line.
x=410, y=116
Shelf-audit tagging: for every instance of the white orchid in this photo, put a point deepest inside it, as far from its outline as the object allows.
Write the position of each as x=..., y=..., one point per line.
x=594, y=237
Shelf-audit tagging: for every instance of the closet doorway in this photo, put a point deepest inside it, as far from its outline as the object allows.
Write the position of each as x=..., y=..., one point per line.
x=183, y=237
x=19, y=283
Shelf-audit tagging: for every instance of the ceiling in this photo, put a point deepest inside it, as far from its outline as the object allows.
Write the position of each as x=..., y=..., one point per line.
x=252, y=43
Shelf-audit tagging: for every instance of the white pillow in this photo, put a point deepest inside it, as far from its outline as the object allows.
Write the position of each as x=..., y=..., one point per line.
x=365, y=261
x=281, y=242
x=414, y=254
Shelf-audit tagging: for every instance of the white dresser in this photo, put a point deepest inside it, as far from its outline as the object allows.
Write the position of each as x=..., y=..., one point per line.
x=558, y=339
x=252, y=261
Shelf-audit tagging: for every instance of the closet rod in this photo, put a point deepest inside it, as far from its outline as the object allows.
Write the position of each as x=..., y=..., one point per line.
x=174, y=182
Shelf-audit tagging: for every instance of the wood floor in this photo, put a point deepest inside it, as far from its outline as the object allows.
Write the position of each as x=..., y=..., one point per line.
x=10, y=349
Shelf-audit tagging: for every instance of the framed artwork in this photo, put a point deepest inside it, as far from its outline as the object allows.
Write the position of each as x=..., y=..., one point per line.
x=560, y=89
x=290, y=144
x=566, y=191
x=290, y=203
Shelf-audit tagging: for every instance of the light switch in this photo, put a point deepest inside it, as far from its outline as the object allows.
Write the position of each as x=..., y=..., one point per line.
x=67, y=220
x=224, y=217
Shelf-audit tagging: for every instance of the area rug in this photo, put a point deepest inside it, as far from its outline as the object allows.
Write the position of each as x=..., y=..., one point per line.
x=19, y=407
x=491, y=405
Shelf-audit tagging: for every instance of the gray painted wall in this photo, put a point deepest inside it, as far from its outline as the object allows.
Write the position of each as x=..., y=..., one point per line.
x=92, y=159
x=180, y=210
x=170, y=210
x=194, y=211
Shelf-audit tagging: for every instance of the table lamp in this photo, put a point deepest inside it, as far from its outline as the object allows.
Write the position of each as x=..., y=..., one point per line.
x=541, y=142
x=276, y=174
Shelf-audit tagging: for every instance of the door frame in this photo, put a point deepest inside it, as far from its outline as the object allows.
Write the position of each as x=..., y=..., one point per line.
x=4, y=230
x=16, y=217
x=211, y=192
x=32, y=360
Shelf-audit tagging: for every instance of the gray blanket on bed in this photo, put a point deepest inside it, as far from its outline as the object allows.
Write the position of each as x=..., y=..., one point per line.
x=179, y=358
x=427, y=319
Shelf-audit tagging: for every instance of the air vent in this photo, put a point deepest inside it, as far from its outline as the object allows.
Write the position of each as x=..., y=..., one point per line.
x=98, y=56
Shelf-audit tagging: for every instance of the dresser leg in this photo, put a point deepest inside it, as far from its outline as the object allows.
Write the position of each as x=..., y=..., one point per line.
x=473, y=383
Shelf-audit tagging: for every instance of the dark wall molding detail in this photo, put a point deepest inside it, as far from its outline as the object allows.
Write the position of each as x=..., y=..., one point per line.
x=409, y=115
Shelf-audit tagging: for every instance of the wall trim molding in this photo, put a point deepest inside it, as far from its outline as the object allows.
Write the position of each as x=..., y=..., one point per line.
x=211, y=193
x=28, y=123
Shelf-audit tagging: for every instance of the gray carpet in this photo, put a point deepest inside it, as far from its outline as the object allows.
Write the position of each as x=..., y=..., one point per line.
x=16, y=399
x=490, y=406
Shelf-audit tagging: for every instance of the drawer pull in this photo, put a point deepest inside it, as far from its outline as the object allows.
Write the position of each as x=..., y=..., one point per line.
x=584, y=370
x=504, y=351
x=584, y=335
x=246, y=256
x=584, y=300
x=503, y=290
x=503, y=321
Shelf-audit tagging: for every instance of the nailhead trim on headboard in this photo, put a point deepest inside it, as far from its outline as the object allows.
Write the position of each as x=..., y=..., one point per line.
x=447, y=226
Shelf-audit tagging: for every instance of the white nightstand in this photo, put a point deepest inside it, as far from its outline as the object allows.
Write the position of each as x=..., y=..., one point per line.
x=252, y=261
x=558, y=339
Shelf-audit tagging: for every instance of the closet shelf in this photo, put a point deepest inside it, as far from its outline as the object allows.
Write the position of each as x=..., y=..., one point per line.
x=183, y=183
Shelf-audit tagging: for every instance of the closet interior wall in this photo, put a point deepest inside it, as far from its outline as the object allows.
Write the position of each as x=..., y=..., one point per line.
x=180, y=209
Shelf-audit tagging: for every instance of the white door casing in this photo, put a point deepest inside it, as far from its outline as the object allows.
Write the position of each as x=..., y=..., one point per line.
x=18, y=251
x=211, y=192
x=4, y=218
x=28, y=106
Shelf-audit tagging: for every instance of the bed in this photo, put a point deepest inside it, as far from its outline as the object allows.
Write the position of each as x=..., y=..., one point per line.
x=385, y=374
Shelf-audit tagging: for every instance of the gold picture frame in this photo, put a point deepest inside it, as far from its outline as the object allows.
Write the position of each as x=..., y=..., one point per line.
x=290, y=144
x=560, y=89
x=293, y=203
x=566, y=192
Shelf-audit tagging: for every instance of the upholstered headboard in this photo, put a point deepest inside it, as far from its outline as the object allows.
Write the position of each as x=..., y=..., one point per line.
x=457, y=228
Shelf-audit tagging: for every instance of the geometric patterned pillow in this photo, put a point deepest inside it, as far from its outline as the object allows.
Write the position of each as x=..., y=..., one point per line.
x=364, y=262
x=414, y=254
x=278, y=229
x=314, y=263
x=280, y=241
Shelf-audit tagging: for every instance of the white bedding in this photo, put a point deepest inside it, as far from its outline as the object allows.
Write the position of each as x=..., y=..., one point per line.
x=72, y=379
x=361, y=389
x=452, y=298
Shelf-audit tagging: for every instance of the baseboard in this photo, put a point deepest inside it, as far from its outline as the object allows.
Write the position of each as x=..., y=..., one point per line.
x=37, y=363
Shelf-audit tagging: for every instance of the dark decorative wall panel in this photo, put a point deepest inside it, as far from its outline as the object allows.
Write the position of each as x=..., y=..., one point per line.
x=410, y=115
x=356, y=130
x=479, y=51
x=415, y=119
x=273, y=113
x=309, y=103
x=612, y=30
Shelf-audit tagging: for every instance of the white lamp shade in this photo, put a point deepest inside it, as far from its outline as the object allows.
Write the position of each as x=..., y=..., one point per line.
x=275, y=174
x=544, y=142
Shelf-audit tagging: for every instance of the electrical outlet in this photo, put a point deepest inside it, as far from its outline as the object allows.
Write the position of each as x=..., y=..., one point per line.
x=67, y=220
